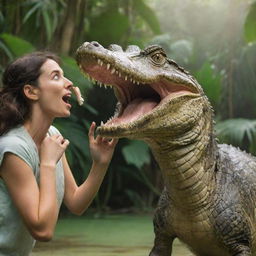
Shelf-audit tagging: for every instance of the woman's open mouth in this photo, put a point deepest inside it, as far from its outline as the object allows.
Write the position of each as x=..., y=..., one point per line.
x=66, y=99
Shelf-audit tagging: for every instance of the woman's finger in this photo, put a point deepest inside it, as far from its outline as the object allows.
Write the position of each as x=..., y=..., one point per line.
x=65, y=143
x=113, y=142
x=98, y=139
x=60, y=139
x=104, y=139
x=92, y=130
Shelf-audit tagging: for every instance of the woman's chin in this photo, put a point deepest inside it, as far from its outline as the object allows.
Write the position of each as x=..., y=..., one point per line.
x=67, y=113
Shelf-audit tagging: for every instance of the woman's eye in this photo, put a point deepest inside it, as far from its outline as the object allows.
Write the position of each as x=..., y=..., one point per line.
x=158, y=58
x=56, y=77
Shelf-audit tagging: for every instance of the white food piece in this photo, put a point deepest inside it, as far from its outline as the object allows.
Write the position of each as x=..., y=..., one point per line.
x=79, y=97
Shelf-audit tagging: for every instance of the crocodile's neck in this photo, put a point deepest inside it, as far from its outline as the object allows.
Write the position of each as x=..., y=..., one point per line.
x=187, y=164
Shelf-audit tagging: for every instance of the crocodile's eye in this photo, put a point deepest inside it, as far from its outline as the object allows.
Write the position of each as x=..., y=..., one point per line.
x=158, y=58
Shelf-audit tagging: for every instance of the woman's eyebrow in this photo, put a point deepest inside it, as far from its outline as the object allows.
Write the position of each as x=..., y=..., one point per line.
x=57, y=71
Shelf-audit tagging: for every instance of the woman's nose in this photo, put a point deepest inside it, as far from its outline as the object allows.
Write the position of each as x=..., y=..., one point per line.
x=68, y=83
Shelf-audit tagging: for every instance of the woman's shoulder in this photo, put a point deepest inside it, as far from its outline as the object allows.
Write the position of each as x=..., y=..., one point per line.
x=12, y=138
x=18, y=142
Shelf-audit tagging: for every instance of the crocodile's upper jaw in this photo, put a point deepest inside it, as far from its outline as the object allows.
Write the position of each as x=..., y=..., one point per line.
x=145, y=83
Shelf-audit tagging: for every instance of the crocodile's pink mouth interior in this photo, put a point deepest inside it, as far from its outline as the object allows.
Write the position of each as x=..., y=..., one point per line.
x=136, y=99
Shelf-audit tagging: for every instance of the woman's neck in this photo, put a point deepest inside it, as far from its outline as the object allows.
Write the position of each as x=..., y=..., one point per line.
x=38, y=126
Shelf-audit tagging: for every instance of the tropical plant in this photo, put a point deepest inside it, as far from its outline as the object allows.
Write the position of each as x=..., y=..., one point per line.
x=239, y=132
x=250, y=24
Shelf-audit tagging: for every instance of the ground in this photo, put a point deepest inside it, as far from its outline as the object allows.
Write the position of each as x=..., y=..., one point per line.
x=111, y=235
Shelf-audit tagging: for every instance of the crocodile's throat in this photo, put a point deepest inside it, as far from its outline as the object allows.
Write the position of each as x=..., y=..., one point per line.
x=139, y=95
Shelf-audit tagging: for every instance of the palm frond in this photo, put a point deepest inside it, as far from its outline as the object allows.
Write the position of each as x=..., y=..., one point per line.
x=237, y=132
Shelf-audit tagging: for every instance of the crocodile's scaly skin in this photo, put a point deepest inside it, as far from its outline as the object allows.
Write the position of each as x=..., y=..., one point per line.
x=210, y=189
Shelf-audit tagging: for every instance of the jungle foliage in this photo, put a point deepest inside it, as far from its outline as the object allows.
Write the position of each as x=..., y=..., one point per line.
x=215, y=40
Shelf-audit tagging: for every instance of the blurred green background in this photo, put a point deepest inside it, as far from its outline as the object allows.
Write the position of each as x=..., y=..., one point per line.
x=213, y=39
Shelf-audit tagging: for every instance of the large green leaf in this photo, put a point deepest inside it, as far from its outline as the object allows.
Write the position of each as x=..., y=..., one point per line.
x=148, y=15
x=6, y=50
x=16, y=45
x=250, y=24
x=48, y=24
x=236, y=131
x=210, y=81
x=37, y=6
x=109, y=27
x=136, y=153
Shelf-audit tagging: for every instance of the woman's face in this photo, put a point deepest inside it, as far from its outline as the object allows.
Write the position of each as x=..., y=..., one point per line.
x=54, y=90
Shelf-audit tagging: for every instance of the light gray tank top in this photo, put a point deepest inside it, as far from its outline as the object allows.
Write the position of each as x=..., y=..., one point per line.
x=15, y=240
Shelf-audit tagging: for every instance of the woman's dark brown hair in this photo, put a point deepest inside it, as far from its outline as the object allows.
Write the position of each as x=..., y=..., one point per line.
x=14, y=106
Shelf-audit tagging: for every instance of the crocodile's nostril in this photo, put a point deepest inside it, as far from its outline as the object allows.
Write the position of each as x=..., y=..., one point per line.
x=95, y=43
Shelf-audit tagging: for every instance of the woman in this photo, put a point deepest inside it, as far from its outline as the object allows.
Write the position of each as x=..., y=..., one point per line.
x=34, y=174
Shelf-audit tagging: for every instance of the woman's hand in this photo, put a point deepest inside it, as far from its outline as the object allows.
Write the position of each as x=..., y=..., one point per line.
x=52, y=149
x=101, y=148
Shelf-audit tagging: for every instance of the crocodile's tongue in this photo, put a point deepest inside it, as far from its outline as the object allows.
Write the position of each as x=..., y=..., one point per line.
x=135, y=109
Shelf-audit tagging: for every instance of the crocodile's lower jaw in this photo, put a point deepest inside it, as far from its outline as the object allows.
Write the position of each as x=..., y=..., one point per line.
x=132, y=124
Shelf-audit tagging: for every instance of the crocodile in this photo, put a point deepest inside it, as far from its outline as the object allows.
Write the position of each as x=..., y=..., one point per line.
x=209, y=195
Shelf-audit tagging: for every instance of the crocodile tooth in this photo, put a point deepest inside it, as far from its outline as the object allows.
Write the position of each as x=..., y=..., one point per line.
x=98, y=60
x=100, y=84
x=108, y=66
x=137, y=83
x=125, y=78
x=113, y=71
x=105, y=86
x=101, y=123
x=101, y=63
x=117, y=72
x=120, y=75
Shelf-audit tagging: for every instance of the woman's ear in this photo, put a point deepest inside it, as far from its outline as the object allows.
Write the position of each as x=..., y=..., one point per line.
x=31, y=92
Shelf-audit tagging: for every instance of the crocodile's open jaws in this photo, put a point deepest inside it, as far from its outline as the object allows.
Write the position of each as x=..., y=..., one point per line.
x=140, y=90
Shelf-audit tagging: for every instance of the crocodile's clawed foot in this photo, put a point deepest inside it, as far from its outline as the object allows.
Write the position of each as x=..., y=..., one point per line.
x=160, y=252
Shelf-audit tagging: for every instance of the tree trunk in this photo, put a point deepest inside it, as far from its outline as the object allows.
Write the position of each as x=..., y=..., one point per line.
x=69, y=25
x=79, y=35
